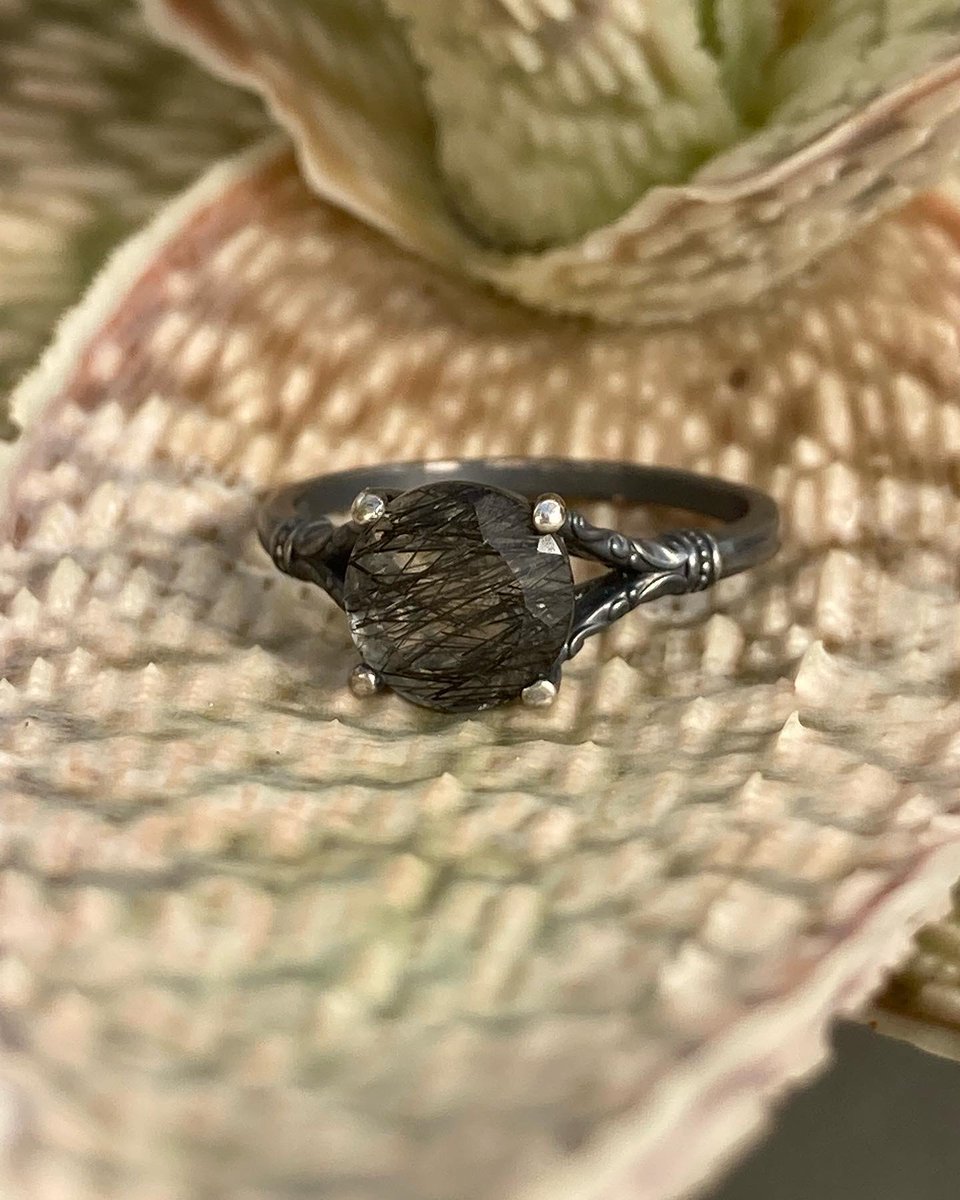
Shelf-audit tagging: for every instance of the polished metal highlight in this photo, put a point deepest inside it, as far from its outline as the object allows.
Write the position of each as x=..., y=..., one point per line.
x=364, y=681
x=367, y=507
x=539, y=694
x=549, y=513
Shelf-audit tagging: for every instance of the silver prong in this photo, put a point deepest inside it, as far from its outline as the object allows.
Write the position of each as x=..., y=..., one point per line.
x=367, y=507
x=364, y=681
x=540, y=694
x=549, y=513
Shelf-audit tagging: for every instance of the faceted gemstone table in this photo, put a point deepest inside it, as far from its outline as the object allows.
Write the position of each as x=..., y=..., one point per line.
x=455, y=599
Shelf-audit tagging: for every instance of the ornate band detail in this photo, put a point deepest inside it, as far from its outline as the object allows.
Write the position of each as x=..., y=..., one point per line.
x=648, y=569
x=692, y=554
x=704, y=564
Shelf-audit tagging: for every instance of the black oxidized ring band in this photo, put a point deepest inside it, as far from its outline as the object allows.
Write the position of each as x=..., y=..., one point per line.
x=456, y=576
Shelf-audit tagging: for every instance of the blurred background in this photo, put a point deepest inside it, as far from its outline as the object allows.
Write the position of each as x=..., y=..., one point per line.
x=883, y=1123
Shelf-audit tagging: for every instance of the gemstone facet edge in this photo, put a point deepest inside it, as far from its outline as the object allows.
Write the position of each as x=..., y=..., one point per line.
x=455, y=599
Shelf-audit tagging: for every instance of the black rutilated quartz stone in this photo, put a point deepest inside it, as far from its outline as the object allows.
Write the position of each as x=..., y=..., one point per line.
x=455, y=599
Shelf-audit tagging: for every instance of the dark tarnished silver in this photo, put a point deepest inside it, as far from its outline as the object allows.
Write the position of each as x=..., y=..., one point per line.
x=297, y=530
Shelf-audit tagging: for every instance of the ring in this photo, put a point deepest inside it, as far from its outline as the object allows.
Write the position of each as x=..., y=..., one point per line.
x=456, y=576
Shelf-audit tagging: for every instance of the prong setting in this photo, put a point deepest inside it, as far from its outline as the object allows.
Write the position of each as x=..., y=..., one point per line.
x=549, y=513
x=540, y=694
x=364, y=681
x=367, y=507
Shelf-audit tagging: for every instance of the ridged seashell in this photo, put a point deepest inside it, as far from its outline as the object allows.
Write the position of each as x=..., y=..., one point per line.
x=468, y=130
x=259, y=935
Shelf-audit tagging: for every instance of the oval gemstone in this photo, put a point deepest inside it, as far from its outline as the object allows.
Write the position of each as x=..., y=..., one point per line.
x=455, y=599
